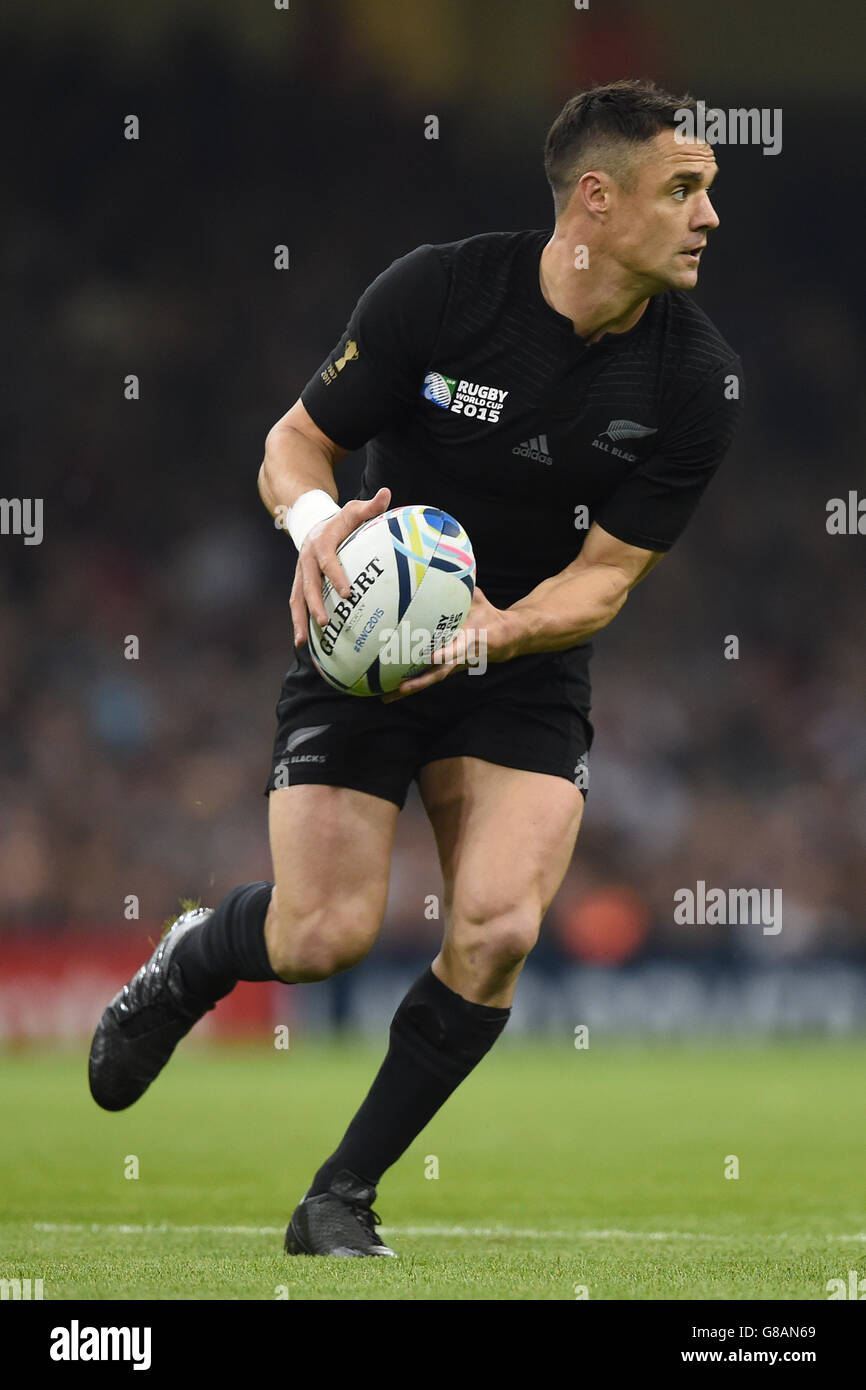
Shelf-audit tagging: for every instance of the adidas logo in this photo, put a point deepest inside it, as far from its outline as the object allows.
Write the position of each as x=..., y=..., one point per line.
x=535, y=449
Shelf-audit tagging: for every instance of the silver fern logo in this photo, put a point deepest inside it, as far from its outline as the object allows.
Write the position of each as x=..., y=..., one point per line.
x=301, y=735
x=621, y=429
x=626, y=429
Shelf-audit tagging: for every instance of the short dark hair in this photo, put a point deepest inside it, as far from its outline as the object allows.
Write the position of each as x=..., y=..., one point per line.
x=601, y=127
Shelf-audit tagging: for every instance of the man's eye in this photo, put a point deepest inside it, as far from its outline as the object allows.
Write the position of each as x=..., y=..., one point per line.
x=680, y=192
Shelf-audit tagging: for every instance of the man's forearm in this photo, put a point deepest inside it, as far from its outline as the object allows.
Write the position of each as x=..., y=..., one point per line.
x=567, y=609
x=293, y=464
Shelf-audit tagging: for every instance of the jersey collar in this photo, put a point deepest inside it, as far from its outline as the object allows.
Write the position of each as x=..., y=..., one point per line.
x=562, y=326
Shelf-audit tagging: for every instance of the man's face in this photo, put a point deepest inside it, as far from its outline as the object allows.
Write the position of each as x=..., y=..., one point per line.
x=656, y=229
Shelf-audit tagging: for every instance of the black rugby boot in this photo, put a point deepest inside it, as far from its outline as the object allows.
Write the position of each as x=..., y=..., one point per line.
x=340, y=1221
x=144, y=1022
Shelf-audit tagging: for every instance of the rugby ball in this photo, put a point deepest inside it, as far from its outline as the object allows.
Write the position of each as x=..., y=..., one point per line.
x=412, y=574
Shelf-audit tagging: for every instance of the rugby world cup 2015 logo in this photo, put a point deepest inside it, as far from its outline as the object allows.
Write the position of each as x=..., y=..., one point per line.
x=469, y=398
x=439, y=389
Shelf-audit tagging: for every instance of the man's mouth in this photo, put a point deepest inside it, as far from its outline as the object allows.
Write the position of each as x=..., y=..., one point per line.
x=694, y=252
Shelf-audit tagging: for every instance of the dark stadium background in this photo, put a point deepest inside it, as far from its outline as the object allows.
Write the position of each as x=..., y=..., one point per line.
x=305, y=127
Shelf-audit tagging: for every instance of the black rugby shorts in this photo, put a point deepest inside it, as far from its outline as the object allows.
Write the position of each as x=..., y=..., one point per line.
x=530, y=713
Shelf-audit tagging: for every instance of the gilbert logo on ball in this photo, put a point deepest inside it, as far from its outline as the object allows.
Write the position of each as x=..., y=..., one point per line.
x=411, y=569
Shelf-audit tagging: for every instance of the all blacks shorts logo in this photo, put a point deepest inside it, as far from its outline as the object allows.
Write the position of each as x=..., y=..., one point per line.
x=463, y=397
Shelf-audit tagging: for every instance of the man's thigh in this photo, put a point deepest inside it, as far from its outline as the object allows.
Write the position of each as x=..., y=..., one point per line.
x=331, y=850
x=505, y=838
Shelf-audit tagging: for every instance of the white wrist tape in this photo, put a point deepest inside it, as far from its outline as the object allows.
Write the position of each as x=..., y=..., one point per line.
x=310, y=508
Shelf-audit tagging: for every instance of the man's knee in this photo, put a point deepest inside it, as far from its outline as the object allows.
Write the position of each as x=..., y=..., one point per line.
x=314, y=944
x=494, y=939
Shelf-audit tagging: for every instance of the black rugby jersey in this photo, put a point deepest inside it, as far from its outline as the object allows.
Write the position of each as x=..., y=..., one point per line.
x=474, y=395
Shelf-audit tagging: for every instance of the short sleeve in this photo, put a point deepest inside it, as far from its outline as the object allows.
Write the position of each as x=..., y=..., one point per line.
x=653, y=505
x=378, y=366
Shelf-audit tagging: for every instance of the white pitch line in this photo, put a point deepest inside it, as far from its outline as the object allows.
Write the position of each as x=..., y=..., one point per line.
x=477, y=1232
x=511, y=1232
x=612, y=1234
x=518, y=1233
x=165, y=1228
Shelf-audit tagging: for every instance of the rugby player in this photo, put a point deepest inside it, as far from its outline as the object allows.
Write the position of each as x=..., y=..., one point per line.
x=522, y=382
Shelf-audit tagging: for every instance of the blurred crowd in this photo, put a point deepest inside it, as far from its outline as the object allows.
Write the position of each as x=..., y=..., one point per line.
x=143, y=777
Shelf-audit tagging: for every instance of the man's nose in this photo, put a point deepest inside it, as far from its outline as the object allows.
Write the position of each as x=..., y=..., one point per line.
x=705, y=215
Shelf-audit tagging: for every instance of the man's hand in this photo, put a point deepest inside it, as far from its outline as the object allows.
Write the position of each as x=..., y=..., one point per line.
x=488, y=632
x=318, y=557
x=561, y=612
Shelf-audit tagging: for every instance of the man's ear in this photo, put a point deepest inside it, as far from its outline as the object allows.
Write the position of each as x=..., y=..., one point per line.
x=593, y=192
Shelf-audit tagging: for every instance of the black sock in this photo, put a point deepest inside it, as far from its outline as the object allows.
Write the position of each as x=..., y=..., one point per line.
x=437, y=1038
x=229, y=946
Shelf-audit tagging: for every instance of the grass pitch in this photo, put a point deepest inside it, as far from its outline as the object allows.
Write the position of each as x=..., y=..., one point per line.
x=558, y=1171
